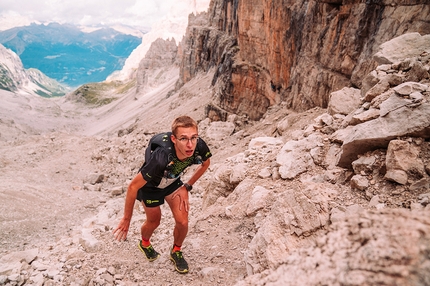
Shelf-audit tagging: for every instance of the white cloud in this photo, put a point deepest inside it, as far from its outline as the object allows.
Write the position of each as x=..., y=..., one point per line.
x=137, y=13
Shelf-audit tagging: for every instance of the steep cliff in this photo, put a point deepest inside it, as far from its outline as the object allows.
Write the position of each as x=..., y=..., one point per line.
x=153, y=68
x=267, y=51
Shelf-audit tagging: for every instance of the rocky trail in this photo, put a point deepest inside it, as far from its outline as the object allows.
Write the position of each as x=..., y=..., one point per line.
x=52, y=210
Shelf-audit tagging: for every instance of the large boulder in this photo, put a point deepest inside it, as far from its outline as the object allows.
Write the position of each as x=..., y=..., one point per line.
x=294, y=220
x=407, y=120
x=403, y=163
x=404, y=46
x=344, y=101
x=218, y=130
x=295, y=156
x=13, y=261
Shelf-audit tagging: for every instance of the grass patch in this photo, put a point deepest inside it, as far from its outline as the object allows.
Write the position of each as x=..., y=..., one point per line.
x=100, y=93
x=124, y=87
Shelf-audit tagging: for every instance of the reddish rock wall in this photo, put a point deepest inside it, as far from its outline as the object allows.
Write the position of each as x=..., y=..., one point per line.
x=267, y=51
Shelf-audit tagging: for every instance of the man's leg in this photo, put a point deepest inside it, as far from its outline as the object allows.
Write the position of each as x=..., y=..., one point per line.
x=181, y=220
x=153, y=218
x=179, y=233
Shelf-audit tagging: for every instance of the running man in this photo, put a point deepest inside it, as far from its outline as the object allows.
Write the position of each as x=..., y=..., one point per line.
x=159, y=180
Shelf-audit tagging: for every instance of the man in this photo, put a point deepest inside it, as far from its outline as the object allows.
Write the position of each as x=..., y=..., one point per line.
x=159, y=180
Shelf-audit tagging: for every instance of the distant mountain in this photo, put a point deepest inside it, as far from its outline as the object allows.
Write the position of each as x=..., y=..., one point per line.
x=65, y=53
x=13, y=77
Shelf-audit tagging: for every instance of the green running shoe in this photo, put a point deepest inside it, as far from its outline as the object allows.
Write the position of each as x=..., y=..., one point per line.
x=149, y=251
x=180, y=264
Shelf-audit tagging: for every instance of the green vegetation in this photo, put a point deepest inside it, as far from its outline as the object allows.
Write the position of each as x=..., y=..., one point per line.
x=102, y=93
x=55, y=91
x=42, y=93
x=49, y=95
x=124, y=87
x=6, y=82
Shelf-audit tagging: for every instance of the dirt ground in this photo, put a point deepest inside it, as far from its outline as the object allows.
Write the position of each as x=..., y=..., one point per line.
x=47, y=149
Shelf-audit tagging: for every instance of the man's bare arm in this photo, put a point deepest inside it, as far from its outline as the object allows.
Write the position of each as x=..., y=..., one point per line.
x=199, y=172
x=121, y=231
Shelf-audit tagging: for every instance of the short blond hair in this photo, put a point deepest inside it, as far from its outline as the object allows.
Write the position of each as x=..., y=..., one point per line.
x=183, y=121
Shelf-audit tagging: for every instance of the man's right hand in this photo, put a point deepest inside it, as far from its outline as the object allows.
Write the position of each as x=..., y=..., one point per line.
x=120, y=232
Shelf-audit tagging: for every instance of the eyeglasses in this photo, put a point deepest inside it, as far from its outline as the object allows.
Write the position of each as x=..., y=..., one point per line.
x=185, y=140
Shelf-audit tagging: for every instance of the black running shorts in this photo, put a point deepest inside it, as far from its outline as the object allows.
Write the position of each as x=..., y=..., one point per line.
x=152, y=196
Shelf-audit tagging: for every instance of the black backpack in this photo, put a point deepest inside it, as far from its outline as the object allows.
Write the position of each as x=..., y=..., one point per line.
x=163, y=140
x=159, y=140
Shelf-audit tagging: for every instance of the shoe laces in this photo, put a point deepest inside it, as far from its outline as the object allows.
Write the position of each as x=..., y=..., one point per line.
x=178, y=254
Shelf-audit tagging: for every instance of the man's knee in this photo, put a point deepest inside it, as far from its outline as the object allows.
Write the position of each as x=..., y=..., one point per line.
x=153, y=219
x=182, y=223
x=153, y=223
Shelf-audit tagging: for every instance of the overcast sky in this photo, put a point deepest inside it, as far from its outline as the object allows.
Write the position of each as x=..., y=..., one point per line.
x=141, y=13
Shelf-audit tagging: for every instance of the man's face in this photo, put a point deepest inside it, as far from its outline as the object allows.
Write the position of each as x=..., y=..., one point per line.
x=185, y=142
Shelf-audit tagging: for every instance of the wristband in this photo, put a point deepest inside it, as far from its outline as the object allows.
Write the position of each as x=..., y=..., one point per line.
x=188, y=187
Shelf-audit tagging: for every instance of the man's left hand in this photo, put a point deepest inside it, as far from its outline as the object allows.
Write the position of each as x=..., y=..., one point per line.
x=182, y=193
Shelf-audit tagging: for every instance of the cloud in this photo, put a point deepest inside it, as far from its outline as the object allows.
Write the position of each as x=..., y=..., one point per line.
x=136, y=13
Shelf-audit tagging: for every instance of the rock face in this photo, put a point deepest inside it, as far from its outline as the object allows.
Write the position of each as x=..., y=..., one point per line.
x=162, y=53
x=161, y=56
x=305, y=237
x=402, y=110
x=355, y=261
x=403, y=162
x=266, y=51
